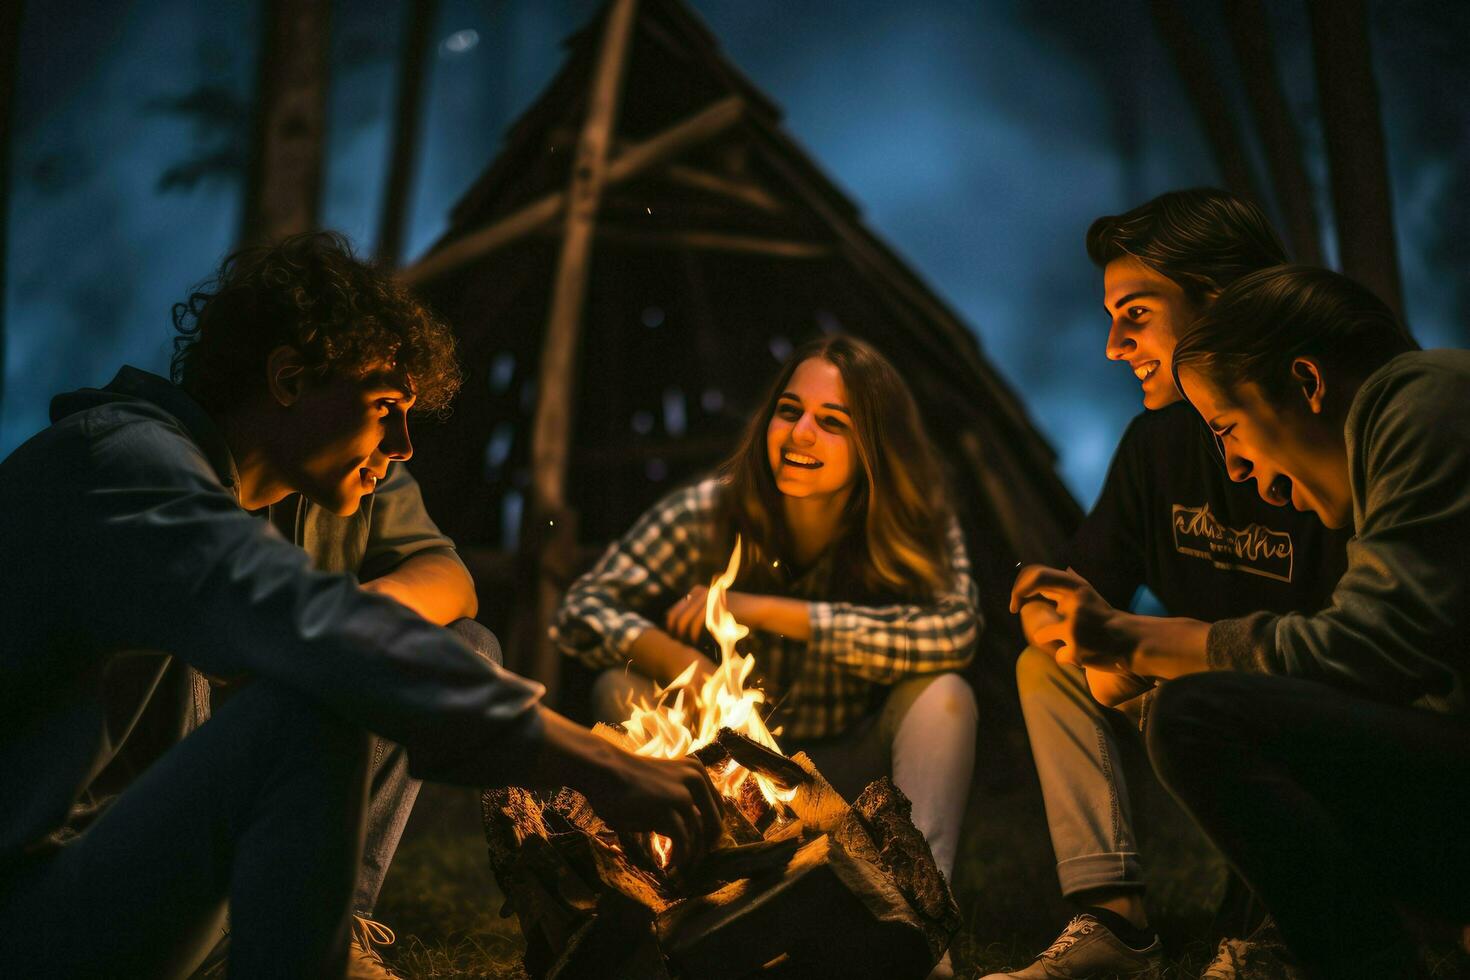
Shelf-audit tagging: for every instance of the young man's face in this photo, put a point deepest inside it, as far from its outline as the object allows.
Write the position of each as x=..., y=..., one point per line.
x=1148, y=311
x=1293, y=451
x=345, y=430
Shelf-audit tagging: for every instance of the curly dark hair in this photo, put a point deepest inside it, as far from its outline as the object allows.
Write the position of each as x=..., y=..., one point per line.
x=311, y=293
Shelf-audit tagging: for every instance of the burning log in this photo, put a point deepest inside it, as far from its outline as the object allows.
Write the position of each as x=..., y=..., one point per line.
x=730, y=744
x=837, y=890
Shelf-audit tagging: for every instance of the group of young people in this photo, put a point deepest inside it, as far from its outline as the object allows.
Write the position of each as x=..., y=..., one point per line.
x=224, y=582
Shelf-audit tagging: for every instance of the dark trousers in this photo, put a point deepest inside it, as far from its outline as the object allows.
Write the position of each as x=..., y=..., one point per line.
x=261, y=808
x=260, y=811
x=1336, y=809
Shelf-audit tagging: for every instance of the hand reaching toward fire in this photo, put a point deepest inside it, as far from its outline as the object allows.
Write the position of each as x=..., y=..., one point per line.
x=685, y=618
x=672, y=797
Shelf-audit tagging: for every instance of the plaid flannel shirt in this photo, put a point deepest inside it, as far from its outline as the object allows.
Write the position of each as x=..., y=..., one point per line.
x=820, y=686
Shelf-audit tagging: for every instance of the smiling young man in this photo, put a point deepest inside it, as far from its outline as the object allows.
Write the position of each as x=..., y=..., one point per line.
x=1169, y=518
x=1326, y=754
x=138, y=526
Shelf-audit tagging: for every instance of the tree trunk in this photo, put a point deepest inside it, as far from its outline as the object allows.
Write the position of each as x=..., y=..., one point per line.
x=1356, y=157
x=283, y=192
x=10, y=16
x=394, y=221
x=1206, y=95
x=1250, y=36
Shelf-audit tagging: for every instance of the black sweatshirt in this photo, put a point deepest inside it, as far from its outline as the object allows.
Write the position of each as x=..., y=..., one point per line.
x=1169, y=517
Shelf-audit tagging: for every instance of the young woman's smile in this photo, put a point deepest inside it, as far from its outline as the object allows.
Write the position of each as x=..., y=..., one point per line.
x=809, y=438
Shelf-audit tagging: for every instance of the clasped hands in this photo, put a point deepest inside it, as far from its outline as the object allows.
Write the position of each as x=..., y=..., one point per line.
x=1092, y=634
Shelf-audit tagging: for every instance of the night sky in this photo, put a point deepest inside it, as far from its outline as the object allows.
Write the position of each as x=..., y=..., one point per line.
x=980, y=139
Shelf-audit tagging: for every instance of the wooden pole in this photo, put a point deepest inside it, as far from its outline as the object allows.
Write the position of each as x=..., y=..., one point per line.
x=394, y=219
x=636, y=159
x=1250, y=36
x=284, y=187
x=555, y=391
x=1356, y=157
x=1205, y=94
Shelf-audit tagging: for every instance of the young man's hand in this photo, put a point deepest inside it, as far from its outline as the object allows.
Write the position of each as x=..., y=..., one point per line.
x=1087, y=632
x=672, y=797
x=1094, y=635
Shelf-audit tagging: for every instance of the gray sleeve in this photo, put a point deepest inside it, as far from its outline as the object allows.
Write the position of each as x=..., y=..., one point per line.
x=1397, y=624
x=180, y=567
x=400, y=526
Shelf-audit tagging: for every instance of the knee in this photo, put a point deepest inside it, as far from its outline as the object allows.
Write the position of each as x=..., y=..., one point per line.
x=479, y=639
x=945, y=696
x=300, y=730
x=1037, y=673
x=1188, y=721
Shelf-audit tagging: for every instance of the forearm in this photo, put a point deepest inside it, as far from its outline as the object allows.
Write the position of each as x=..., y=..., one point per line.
x=433, y=585
x=658, y=655
x=1166, y=648
x=772, y=614
x=571, y=755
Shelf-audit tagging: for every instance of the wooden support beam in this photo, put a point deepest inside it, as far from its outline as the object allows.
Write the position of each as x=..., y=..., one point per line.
x=393, y=223
x=744, y=191
x=1250, y=36
x=639, y=157
x=714, y=241
x=1207, y=95
x=551, y=429
x=1357, y=159
x=283, y=189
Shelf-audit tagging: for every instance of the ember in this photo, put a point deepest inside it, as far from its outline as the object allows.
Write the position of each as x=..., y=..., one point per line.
x=800, y=885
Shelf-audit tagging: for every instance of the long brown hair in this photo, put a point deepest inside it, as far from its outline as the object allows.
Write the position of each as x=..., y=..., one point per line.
x=893, y=538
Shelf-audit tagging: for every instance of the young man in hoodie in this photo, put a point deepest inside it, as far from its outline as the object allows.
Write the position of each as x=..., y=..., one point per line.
x=1327, y=754
x=1169, y=518
x=134, y=526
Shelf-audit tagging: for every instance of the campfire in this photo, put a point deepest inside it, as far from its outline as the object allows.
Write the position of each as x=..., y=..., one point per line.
x=801, y=884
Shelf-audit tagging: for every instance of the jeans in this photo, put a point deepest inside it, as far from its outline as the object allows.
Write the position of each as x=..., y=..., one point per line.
x=260, y=809
x=1086, y=797
x=393, y=791
x=924, y=735
x=1335, y=808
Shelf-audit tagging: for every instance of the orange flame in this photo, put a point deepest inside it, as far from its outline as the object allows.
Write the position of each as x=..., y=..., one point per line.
x=673, y=730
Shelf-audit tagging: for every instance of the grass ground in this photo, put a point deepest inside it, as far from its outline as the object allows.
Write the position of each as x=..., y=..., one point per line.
x=442, y=899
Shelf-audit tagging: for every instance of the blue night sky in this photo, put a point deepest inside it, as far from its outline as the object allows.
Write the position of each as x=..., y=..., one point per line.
x=979, y=139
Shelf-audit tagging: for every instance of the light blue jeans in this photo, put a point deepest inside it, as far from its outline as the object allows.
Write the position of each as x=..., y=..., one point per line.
x=393, y=791
x=923, y=735
x=1087, y=808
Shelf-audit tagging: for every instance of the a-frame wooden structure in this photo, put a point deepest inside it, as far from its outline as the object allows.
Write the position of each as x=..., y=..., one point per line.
x=624, y=279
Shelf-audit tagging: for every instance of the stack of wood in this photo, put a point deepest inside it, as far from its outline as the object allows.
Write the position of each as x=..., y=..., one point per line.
x=812, y=887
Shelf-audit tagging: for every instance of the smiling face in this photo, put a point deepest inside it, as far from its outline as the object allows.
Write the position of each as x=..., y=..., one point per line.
x=1295, y=452
x=1148, y=310
x=809, y=440
x=344, y=432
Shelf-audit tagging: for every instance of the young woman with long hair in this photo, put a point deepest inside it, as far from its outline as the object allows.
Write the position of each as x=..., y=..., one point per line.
x=853, y=581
